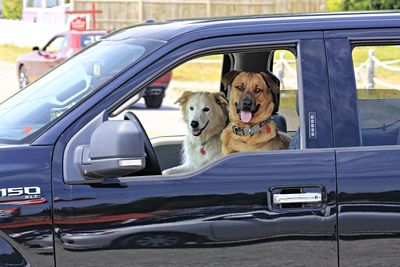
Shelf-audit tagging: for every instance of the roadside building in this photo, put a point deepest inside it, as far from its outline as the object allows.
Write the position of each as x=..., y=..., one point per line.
x=45, y=11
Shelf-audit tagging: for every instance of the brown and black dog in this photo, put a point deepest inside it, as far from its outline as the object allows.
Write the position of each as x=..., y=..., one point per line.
x=250, y=108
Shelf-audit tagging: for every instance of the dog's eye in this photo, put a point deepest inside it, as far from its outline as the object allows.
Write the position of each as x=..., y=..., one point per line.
x=206, y=109
x=240, y=88
x=191, y=108
x=257, y=90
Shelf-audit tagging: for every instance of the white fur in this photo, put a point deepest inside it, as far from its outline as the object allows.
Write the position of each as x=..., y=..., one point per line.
x=192, y=109
x=192, y=158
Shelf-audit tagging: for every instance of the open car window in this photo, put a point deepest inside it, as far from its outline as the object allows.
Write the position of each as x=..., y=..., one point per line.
x=170, y=121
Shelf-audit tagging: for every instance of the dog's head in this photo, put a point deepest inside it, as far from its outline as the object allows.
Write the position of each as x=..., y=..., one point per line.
x=250, y=95
x=205, y=114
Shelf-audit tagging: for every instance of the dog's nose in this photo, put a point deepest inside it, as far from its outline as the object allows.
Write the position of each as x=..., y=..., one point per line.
x=247, y=103
x=194, y=124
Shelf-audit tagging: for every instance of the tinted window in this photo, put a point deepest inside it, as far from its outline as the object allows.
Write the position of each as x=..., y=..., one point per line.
x=377, y=71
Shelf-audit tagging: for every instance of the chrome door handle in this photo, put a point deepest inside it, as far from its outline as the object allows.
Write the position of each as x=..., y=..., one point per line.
x=297, y=198
x=239, y=216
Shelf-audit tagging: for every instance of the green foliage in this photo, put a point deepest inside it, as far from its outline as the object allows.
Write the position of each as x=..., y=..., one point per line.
x=10, y=52
x=386, y=4
x=352, y=5
x=12, y=9
x=334, y=5
x=370, y=4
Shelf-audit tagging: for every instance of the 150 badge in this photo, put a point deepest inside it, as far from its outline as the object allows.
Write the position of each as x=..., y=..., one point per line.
x=20, y=193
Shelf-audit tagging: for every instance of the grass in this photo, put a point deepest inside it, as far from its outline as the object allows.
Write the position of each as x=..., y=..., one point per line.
x=10, y=52
x=383, y=53
x=198, y=71
x=377, y=93
x=195, y=70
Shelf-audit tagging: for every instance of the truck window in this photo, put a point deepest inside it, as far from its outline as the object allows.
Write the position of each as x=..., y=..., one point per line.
x=165, y=124
x=377, y=72
x=204, y=74
x=285, y=68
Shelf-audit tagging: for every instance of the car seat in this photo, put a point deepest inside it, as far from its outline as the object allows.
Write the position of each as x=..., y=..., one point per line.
x=295, y=143
x=279, y=119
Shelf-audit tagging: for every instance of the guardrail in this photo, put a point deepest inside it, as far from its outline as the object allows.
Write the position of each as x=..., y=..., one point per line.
x=366, y=72
x=286, y=73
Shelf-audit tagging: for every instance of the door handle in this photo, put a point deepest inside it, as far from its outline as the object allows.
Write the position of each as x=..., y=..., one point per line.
x=297, y=198
x=239, y=216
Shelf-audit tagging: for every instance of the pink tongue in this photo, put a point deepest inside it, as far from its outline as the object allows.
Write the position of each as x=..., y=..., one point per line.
x=195, y=132
x=245, y=116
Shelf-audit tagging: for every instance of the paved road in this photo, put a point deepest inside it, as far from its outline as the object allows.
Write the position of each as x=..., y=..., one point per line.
x=8, y=80
x=165, y=121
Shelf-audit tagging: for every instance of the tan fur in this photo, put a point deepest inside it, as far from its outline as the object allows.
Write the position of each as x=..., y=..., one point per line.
x=261, y=140
x=216, y=117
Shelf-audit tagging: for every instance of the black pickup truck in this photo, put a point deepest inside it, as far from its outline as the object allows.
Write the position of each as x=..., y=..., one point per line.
x=80, y=187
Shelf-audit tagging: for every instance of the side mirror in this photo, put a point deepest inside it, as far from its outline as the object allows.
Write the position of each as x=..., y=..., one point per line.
x=37, y=49
x=116, y=149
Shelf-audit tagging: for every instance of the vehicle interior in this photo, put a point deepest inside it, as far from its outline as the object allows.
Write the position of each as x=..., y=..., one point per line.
x=255, y=62
x=164, y=151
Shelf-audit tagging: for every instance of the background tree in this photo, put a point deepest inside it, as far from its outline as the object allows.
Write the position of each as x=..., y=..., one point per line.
x=370, y=4
x=12, y=9
x=334, y=5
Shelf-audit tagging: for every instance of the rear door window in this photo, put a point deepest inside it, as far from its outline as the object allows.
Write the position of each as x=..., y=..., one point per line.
x=377, y=72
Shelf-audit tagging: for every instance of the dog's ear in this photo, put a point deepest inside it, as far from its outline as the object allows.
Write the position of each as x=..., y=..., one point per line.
x=272, y=81
x=228, y=77
x=184, y=97
x=220, y=99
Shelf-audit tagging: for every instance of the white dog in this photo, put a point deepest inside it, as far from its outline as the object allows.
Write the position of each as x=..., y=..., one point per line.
x=205, y=115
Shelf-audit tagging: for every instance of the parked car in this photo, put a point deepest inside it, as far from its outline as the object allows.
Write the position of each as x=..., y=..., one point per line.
x=33, y=65
x=102, y=198
x=57, y=49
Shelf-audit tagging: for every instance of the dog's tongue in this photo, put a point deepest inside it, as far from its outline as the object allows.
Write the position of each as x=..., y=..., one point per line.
x=245, y=116
x=196, y=132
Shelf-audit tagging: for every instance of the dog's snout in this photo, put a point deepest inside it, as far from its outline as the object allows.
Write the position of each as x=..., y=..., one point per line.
x=247, y=103
x=194, y=124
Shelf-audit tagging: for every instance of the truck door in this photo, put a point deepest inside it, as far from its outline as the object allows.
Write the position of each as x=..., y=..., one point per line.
x=366, y=108
x=246, y=209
